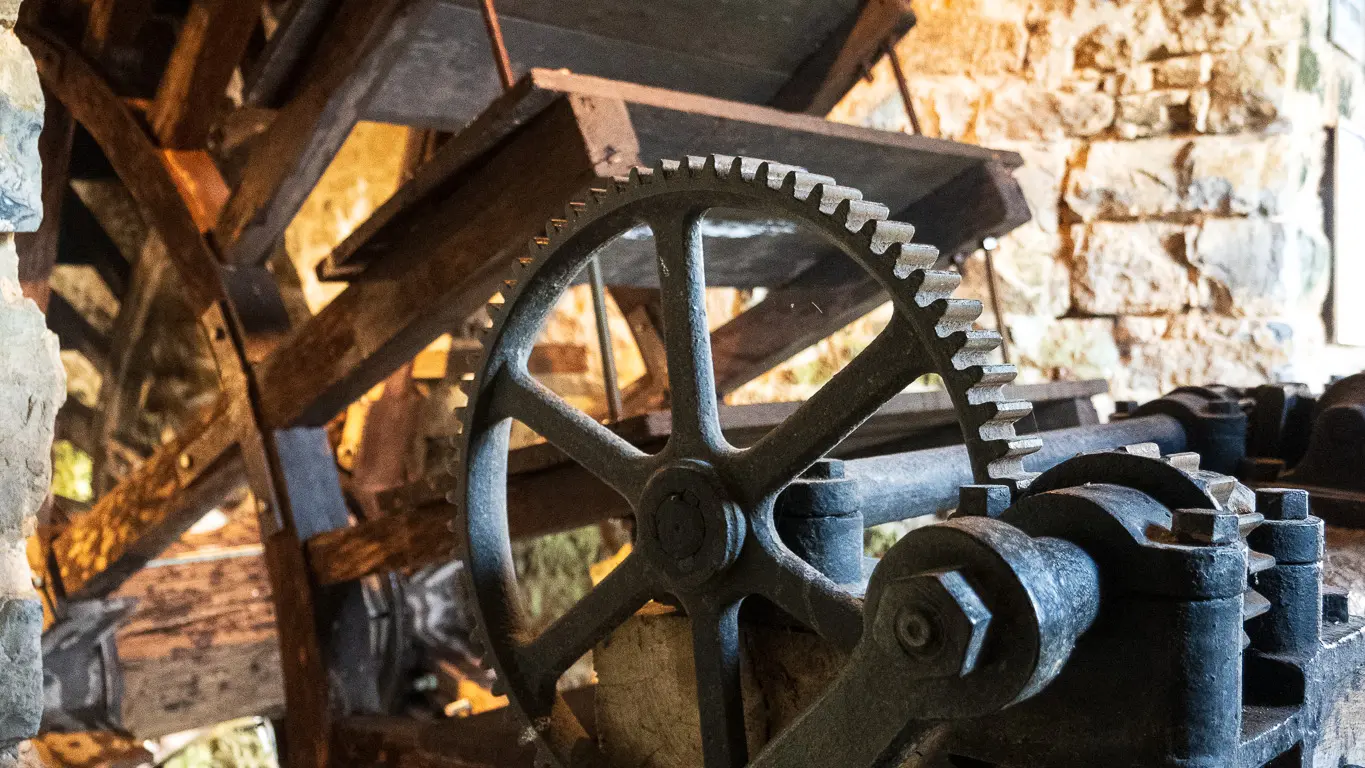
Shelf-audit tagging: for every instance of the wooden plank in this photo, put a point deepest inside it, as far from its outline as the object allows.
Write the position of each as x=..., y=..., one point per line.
x=193, y=88
x=489, y=740
x=443, y=272
x=671, y=125
x=402, y=541
x=201, y=687
x=294, y=152
x=830, y=72
x=271, y=77
x=200, y=184
x=79, y=86
x=984, y=201
x=152, y=507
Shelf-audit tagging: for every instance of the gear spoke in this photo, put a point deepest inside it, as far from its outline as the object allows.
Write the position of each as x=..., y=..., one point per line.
x=692, y=386
x=602, y=452
x=811, y=598
x=628, y=587
x=720, y=700
x=885, y=367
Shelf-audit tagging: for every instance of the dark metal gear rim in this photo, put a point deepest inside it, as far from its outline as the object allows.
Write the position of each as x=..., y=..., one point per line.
x=942, y=330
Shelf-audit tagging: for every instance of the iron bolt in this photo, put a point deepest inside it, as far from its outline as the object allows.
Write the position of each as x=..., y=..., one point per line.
x=824, y=469
x=1282, y=503
x=1125, y=407
x=937, y=619
x=1335, y=605
x=1205, y=527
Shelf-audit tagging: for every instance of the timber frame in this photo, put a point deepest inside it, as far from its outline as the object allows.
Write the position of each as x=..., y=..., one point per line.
x=423, y=263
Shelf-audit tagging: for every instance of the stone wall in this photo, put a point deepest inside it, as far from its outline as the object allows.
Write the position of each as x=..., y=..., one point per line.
x=32, y=388
x=1173, y=154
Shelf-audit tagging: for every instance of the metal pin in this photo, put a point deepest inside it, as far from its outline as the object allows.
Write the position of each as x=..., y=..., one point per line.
x=989, y=245
x=500, y=57
x=599, y=305
x=904, y=84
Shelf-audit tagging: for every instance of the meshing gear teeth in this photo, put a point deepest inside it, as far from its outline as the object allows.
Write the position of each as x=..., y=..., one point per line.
x=941, y=330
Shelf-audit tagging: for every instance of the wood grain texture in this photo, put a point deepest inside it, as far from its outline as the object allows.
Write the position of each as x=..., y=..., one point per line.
x=830, y=72
x=440, y=273
x=202, y=687
x=402, y=541
x=193, y=88
x=287, y=161
x=136, y=161
x=151, y=508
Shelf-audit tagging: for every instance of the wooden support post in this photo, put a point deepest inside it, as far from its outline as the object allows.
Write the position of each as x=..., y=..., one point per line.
x=448, y=267
x=983, y=201
x=192, y=91
x=38, y=250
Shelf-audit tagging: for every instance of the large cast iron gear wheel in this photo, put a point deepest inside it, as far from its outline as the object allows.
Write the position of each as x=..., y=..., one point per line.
x=703, y=509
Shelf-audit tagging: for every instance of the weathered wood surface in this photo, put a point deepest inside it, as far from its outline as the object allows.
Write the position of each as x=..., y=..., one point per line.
x=402, y=541
x=152, y=507
x=440, y=275
x=38, y=250
x=193, y=87
x=984, y=201
x=287, y=161
x=830, y=72
x=489, y=740
x=891, y=168
x=93, y=103
x=271, y=79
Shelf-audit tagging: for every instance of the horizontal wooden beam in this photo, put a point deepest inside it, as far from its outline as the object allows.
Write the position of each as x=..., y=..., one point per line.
x=402, y=541
x=354, y=57
x=193, y=88
x=446, y=269
x=153, y=506
x=983, y=201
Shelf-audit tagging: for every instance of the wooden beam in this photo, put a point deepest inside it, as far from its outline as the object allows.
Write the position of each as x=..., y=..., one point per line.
x=76, y=333
x=447, y=268
x=360, y=45
x=273, y=75
x=193, y=88
x=38, y=250
x=829, y=73
x=984, y=201
x=93, y=103
x=488, y=740
x=402, y=541
x=152, y=507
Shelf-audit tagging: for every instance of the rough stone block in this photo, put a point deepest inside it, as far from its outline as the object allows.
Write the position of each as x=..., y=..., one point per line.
x=1195, y=348
x=1249, y=90
x=1125, y=179
x=1267, y=175
x=1070, y=348
x=1130, y=268
x=21, y=121
x=1229, y=25
x=21, y=671
x=1021, y=111
x=1153, y=113
x=1261, y=267
x=977, y=37
x=1031, y=272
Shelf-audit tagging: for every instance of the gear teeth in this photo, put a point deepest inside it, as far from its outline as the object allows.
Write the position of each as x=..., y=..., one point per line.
x=860, y=215
x=540, y=241
x=556, y=226
x=975, y=347
x=598, y=194
x=574, y=209
x=499, y=687
x=993, y=375
x=827, y=197
x=773, y=175
x=911, y=258
x=667, y=169
x=888, y=233
x=640, y=176
x=936, y=285
x=509, y=284
x=957, y=314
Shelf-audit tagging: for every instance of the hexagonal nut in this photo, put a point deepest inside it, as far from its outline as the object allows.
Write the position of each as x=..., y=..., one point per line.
x=1282, y=503
x=937, y=620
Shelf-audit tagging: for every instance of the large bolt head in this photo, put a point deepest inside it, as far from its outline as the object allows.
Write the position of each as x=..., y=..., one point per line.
x=681, y=526
x=1282, y=503
x=936, y=620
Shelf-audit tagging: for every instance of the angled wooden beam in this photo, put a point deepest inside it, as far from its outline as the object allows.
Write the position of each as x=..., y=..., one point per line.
x=401, y=541
x=93, y=103
x=983, y=201
x=360, y=45
x=193, y=88
x=75, y=332
x=447, y=268
x=274, y=73
x=829, y=73
x=152, y=507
